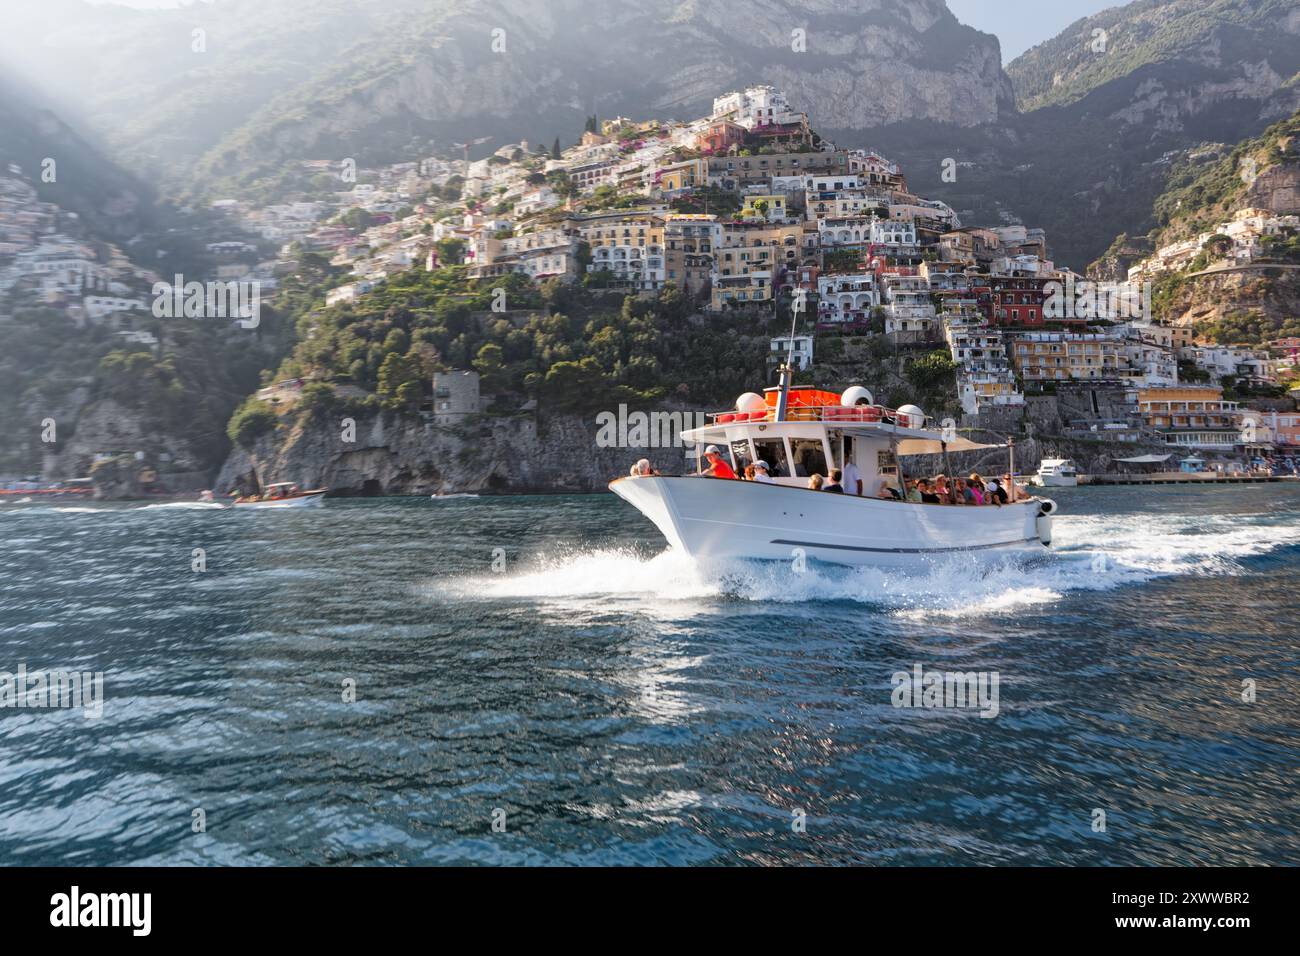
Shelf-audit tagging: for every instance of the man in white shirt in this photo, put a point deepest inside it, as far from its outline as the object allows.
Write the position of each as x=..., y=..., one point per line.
x=760, y=473
x=853, y=484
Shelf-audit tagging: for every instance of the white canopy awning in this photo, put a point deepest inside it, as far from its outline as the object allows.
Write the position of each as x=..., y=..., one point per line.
x=1145, y=459
x=925, y=446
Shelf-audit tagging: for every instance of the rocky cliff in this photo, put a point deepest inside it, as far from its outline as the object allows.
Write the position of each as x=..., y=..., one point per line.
x=1163, y=64
x=401, y=454
x=1250, y=306
x=520, y=68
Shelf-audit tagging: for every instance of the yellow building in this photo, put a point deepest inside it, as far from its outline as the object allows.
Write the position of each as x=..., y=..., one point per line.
x=1061, y=357
x=629, y=246
x=752, y=288
x=1192, y=415
x=691, y=241
x=690, y=174
x=758, y=246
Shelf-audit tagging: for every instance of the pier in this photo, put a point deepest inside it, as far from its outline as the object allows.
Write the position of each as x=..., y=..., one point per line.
x=1179, y=478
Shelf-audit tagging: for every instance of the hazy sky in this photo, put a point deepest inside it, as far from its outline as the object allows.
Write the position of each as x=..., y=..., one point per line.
x=1019, y=24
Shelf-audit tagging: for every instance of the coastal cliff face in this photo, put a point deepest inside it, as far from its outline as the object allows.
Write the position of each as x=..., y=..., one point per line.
x=1162, y=64
x=1277, y=189
x=1258, y=305
x=400, y=454
x=854, y=64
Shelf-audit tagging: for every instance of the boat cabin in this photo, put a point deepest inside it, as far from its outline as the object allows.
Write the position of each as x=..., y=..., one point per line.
x=1057, y=468
x=818, y=434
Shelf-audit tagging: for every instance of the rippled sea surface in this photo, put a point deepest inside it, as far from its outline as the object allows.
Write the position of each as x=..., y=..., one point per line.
x=543, y=663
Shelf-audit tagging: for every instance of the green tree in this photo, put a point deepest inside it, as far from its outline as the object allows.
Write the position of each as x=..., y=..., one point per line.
x=395, y=375
x=489, y=362
x=451, y=250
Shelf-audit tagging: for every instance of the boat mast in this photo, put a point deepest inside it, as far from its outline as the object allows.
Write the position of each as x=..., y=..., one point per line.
x=787, y=370
x=1011, y=467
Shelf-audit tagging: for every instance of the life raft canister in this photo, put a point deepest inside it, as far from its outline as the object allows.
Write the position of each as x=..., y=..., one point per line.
x=1046, y=508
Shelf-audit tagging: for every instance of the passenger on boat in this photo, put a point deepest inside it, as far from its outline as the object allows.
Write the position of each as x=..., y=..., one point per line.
x=760, y=473
x=833, y=485
x=976, y=491
x=815, y=483
x=927, y=492
x=853, y=483
x=886, y=490
x=643, y=469
x=718, y=466
x=749, y=472
x=942, y=489
x=999, y=494
x=913, y=491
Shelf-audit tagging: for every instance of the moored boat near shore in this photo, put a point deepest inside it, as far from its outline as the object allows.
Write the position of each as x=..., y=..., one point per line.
x=1056, y=473
x=284, y=494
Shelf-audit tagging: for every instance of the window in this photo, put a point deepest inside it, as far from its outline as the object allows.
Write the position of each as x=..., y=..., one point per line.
x=809, y=457
x=773, y=452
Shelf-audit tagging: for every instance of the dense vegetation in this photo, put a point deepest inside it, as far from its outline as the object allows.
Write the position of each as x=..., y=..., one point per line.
x=568, y=347
x=1199, y=195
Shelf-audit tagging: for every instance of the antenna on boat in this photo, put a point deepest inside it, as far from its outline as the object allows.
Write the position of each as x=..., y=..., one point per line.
x=787, y=370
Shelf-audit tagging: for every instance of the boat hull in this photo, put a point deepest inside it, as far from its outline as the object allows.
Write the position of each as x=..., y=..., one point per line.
x=1056, y=481
x=314, y=500
x=712, y=519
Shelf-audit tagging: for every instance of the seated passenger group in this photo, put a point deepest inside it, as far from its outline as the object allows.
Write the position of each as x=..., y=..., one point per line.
x=941, y=490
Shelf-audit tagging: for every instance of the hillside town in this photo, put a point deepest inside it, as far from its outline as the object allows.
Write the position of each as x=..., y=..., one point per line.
x=745, y=210
x=46, y=262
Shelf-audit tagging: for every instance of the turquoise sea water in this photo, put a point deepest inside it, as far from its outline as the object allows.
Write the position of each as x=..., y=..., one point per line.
x=542, y=663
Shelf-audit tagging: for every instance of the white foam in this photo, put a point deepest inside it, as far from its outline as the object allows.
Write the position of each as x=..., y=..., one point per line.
x=1089, y=553
x=183, y=506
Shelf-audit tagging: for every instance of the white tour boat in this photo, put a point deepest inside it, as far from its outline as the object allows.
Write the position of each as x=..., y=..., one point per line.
x=801, y=432
x=1056, y=473
x=284, y=494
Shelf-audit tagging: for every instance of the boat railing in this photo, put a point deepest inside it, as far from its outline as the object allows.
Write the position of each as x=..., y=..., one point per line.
x=817, y=413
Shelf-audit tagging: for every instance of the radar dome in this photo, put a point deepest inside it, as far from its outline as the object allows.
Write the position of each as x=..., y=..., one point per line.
x=856, y=395
x=750, y=402
x=914, y=417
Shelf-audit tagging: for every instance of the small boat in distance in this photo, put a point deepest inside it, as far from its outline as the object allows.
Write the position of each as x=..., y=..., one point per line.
x=284, y=494
x=1056, y=473
x=442, y=496
x=799, y=433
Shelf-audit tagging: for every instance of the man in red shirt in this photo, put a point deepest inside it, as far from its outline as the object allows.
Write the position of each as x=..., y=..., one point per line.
x=718, y=466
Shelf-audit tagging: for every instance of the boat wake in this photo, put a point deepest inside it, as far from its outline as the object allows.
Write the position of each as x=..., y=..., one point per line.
x=1090, y=554
x=184, y=506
